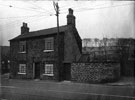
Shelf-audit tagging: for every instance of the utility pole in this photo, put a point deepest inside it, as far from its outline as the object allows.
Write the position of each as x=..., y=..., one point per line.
x=56, y=7
x=0, y=62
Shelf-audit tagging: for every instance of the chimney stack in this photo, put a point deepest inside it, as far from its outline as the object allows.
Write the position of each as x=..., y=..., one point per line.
x=24, y=28
x=70, y=17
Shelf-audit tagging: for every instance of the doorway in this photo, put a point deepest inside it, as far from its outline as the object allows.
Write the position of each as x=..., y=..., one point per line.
x=67, y=71
x=37, y=70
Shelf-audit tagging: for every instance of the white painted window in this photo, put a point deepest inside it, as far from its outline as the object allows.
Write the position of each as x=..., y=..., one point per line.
x=49, y=44
x=22, y=69
x=49, y=69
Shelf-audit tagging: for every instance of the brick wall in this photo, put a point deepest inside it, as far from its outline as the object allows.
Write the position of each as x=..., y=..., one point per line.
x=95, y=72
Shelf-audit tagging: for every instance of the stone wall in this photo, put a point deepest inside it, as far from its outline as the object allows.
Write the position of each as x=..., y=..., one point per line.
x=35, y=54
x=95, y=72
x=72, y=47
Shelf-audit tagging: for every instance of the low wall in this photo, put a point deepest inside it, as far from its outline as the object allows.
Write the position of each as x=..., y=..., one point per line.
x=95, y=72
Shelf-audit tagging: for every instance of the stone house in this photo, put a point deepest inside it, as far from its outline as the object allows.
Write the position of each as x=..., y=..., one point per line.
x=35, y=55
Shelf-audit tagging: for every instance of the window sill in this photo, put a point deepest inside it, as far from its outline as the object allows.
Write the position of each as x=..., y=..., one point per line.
x=22, y=52
x=22, y=73
x=48, y=50
x=49, y=74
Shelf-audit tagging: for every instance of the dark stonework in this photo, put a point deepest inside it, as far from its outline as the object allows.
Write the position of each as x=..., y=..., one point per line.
x=35, y=53
x=95, y=72
x=69, y=52
x=72, y=48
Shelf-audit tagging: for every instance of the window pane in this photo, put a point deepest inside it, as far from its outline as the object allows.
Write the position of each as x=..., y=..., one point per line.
x=51, y=69
x=22, y=68
x=22, y=46
x=49, y=43
x=48, y=68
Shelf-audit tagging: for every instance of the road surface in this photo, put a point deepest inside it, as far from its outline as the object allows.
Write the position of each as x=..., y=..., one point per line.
x=13, y=89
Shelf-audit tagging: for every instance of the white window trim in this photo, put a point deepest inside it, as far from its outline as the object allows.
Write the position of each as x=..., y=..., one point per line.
x=21, y=73
x=49, y=74
x=22, y=52
x=19, y=67
x=48, y=50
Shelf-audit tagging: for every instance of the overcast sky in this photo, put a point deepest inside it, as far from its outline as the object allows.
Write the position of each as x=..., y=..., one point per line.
x=94, y=19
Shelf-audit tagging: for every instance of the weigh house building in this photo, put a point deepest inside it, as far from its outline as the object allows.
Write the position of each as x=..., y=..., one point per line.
x=34, y=55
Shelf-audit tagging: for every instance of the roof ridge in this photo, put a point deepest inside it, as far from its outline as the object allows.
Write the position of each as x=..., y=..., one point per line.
x=47, y=29
x=41, y=32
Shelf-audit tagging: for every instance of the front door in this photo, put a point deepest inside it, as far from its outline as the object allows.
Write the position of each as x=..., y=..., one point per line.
x=37, y=70
x=67, y=71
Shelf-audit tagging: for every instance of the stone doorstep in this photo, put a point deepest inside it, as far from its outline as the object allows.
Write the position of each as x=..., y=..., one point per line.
x=66, y=81
x=36, y=79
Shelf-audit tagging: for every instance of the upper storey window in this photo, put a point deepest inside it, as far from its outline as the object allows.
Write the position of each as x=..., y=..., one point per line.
x=49, y=44
x=22, y=47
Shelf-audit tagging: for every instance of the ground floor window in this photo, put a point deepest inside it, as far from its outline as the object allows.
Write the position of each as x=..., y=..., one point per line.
x=22, y=69
x=49, y=69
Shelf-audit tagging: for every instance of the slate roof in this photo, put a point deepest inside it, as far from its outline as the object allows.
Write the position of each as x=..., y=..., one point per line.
x=43, y=32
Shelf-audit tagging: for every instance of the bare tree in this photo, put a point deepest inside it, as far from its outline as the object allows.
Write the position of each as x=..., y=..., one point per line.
x=96, y=41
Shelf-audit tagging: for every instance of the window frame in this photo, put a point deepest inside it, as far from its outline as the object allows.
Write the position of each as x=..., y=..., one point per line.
x=22, y=70
x=49, y=69
x=49, y=44
x=22, y=47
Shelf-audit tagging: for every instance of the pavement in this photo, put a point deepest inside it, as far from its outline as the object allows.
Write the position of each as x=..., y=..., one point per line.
x=14, y=89
x=124, y=81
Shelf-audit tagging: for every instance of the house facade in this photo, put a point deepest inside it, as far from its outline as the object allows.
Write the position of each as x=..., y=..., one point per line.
x=39, y=54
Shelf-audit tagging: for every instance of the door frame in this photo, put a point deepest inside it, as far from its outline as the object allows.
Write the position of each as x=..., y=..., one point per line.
x=67, y=71
x=34, y=67
x=33, y=70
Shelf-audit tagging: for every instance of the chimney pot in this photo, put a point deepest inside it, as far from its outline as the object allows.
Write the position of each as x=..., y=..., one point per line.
x=24, y=24
x=70, y=17
x=24, y=28
x=70, y=11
